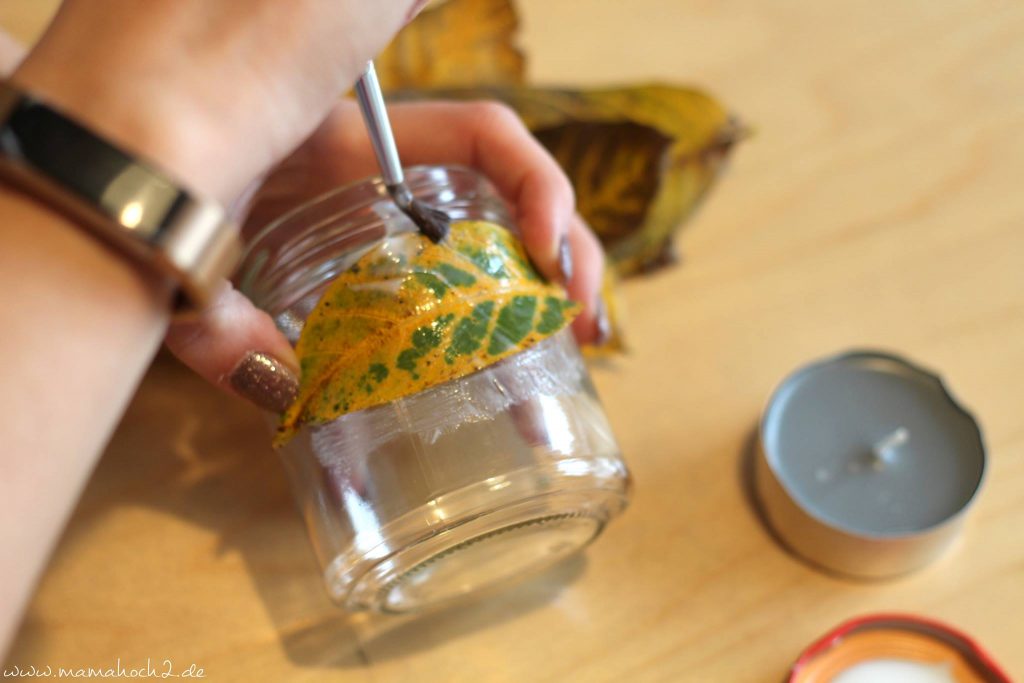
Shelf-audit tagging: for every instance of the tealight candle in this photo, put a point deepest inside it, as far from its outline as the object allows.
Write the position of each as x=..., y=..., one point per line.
x=867, y=464
x=892, y=648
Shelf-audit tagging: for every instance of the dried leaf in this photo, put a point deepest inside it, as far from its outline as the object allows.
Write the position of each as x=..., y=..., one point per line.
x=457, y=44
x=640, y=158
x=411, y=314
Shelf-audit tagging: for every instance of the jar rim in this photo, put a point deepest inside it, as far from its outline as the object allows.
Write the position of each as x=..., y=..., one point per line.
x=315, y=241
x=415, y=175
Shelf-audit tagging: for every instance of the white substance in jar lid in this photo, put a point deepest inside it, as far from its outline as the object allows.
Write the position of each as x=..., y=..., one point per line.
x=896, y=671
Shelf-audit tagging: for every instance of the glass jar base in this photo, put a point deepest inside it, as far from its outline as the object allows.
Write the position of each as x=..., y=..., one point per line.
x=487, y=560
x=479, y=549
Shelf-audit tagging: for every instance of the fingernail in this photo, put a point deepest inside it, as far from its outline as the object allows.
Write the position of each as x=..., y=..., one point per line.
x=415, y=9
x=604, y=324
x=265, y=381
x=565, y=259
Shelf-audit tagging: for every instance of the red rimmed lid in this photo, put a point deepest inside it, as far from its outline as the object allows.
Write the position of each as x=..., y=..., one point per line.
x=899, y=640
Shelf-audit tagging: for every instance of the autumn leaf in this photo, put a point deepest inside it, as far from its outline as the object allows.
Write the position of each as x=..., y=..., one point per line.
x=640, y=158
x=458, y=43
x=411, y=314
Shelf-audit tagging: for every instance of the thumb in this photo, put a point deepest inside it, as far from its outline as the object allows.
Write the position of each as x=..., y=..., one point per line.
x=236, y=346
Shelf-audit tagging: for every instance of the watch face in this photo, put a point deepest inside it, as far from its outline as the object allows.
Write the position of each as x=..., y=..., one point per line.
x=39, y=140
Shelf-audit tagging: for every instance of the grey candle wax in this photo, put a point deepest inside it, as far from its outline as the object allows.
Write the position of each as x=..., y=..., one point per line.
x=862, y=448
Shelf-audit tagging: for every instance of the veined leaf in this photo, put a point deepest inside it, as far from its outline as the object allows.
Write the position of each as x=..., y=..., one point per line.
x=411, y=314
x=458, y=43
x=640, y=158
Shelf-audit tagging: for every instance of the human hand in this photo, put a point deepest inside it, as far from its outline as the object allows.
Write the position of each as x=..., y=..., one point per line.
x=484, y=135
x=256, y=79
x=487, y=136
x=214, y=91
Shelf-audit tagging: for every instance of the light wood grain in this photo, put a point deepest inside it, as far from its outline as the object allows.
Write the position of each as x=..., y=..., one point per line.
x=879, y=204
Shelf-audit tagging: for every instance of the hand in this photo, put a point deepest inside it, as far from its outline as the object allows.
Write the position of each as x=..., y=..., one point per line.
x=488, y=136
x=485, y=135
x=215, y=91
x=255, y=80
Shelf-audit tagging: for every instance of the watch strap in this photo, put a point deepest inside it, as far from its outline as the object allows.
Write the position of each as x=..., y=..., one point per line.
x=122, y=199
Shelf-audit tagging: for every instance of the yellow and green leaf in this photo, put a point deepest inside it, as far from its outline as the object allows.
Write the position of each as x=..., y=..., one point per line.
x=411, y=314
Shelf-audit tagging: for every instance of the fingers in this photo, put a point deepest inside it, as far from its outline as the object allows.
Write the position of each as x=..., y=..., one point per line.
x=237, y=347
x=591, y=326
x=485, y=135
x=491, y=138
x=416, y=8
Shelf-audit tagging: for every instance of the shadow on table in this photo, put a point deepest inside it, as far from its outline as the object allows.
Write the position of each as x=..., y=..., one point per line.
x=185, y=449
x=745, y=476
x=383, y=637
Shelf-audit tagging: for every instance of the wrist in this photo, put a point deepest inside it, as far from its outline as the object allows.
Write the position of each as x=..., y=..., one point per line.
x=47, y=252
x=143, y=212
x=154, y=121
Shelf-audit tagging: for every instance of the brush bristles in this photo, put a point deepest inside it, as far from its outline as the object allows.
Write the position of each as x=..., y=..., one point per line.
x=431, y=222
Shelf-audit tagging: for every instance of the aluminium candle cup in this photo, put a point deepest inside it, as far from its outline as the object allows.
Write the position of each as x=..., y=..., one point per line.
x=867, y=464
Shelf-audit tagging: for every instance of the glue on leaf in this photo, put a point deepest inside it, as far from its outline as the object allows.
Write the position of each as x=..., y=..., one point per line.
x=411, y=314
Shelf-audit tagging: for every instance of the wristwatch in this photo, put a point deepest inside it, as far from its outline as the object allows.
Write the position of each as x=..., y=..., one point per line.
x=123, y=200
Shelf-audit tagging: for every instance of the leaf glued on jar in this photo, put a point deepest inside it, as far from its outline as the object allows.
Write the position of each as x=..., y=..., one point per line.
x=411, y=314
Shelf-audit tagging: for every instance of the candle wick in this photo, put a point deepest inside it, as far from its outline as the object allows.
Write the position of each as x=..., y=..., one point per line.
x=883, y=451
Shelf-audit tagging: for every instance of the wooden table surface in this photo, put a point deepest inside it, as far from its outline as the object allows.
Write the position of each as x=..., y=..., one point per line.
x=880, y=204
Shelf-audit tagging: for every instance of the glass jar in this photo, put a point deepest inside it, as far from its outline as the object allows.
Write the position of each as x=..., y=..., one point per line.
x=457, y=488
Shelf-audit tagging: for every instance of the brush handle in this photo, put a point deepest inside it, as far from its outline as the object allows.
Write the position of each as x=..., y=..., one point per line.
x=375, y=115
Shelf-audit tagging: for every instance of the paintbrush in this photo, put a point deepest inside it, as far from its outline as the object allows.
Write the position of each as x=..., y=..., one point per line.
x=431, y=222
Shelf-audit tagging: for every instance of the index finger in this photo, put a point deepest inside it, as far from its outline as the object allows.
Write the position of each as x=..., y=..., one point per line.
x=489, y=137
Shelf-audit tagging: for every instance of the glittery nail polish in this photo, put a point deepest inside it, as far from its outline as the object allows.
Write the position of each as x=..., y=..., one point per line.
x=265, y=381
